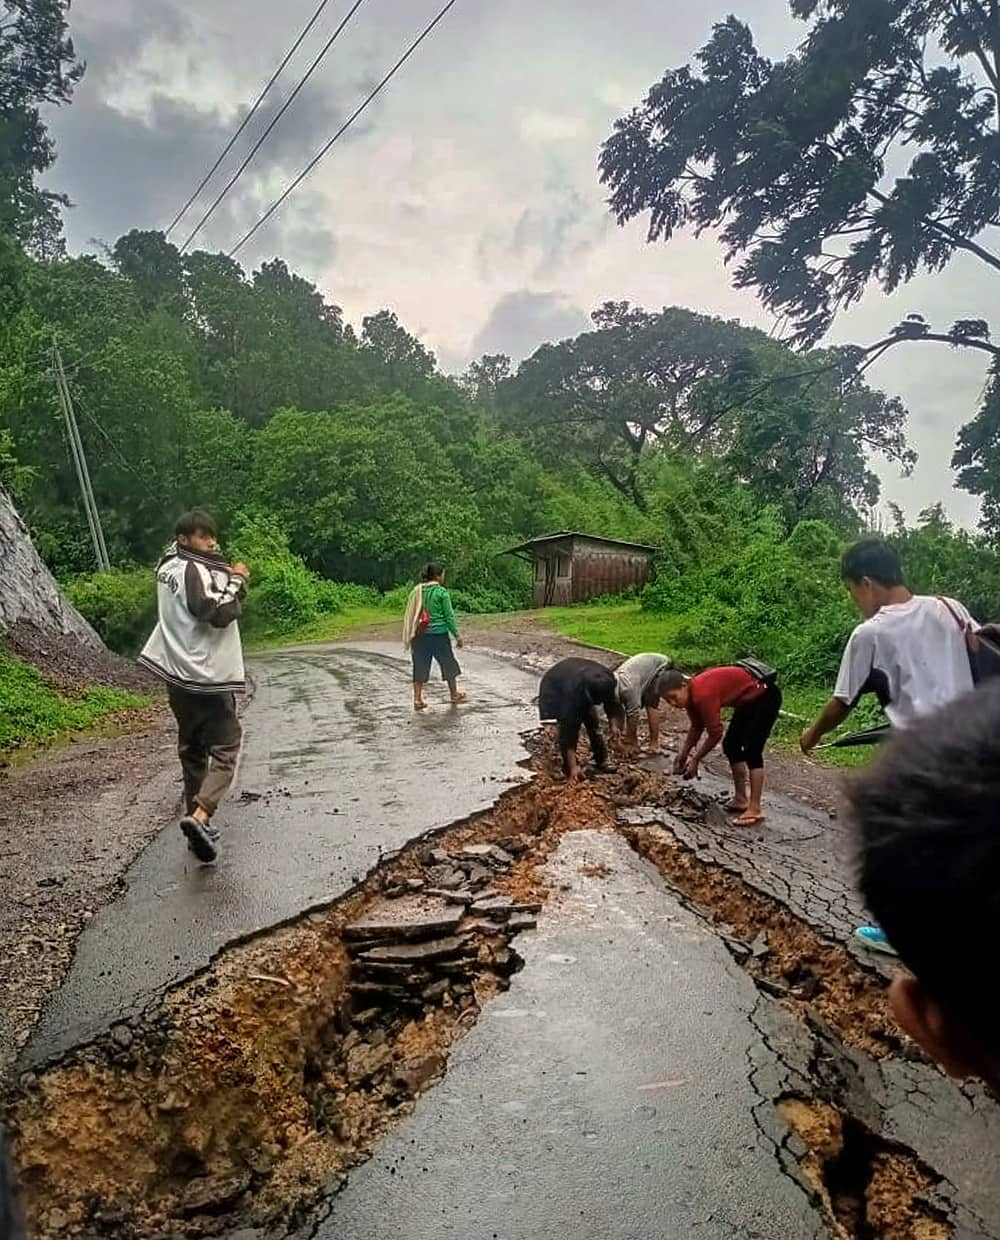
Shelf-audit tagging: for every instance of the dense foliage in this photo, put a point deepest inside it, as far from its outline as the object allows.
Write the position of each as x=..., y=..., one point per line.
x=331, y=454
x=866, y=155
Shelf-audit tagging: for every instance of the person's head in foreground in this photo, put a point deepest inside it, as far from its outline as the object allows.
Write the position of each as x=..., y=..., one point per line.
x=874, y=576
x=927, y=814
x=197, y=531
x=432, y=572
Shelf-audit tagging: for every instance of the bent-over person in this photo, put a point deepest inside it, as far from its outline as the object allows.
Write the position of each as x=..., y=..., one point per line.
x=569, y=695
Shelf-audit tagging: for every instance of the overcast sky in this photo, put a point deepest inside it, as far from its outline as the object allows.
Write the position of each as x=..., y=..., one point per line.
x=467, y=198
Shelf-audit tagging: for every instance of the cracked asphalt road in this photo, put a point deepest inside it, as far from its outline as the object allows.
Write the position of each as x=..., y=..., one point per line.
x=605, y=1096
x=625, y=1086
x=336, y=771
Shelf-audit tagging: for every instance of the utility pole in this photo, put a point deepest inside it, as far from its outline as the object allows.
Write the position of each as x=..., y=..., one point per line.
x=80, y=461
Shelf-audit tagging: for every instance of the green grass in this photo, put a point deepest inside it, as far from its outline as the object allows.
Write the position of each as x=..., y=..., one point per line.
x=625, y=627
x=330, y=628
x=31, y=710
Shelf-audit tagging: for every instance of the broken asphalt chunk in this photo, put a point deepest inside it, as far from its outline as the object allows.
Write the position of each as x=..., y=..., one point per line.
x=414, y=953
x=410, y=917
x=491, y=854
x=491, y=905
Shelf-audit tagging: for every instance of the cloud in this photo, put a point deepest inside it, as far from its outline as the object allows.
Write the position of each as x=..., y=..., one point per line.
x=521, y=321
x=153, y=165
x=541, y=126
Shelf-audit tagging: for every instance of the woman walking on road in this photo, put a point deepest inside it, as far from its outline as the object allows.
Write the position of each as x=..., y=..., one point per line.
x=429, y=624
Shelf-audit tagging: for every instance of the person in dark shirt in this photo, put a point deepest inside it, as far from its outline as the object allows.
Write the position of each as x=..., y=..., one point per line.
x=755, y=702
x=569, y=695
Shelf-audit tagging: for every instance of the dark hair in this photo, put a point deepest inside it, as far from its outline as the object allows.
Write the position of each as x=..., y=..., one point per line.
x=874, y=558
x=670, y=679
x=431, y=572
x=195, y=522
x=926, y=816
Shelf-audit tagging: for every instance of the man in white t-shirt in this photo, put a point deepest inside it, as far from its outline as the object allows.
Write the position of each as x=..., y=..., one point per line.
x=911, y=651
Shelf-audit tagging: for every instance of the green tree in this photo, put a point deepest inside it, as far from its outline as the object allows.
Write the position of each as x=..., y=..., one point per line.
x=366, y=492
x=38, y=68
x=152, y=264
x=803, y=431
x=796, y=160
x=606, y=397
x=399, y=359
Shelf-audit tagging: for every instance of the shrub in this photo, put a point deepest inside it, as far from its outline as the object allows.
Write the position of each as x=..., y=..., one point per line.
x=121, y=605
x=33, y=710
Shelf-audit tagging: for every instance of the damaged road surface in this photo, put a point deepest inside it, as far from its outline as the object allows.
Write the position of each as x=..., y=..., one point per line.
x=336, y=771
x=601, y=1012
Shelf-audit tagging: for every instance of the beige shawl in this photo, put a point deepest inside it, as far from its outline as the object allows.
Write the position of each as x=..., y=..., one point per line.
x=414, y=606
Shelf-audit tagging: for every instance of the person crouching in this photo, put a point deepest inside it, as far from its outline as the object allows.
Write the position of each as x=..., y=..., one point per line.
x=569, y=695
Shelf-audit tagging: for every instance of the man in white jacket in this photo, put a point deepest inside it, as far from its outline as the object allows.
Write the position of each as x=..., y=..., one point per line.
x=195, y=648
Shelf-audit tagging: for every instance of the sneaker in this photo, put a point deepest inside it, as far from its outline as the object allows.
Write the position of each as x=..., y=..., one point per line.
x=199, y=840
x=874, y=938
x=213, y=832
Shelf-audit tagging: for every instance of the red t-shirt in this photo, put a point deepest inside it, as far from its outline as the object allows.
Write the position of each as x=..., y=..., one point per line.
x=718, y=687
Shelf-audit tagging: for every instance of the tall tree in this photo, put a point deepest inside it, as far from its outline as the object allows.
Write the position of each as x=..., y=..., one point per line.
x=610, y=394
x=802, y=431
x=38, y=67
x=796, y=161
x=400, y=358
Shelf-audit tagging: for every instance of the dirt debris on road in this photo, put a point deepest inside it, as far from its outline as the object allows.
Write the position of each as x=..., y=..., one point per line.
x=71, y=822
x=866, y=1186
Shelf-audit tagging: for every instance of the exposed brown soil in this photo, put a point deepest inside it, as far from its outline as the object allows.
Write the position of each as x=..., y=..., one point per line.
x=69, y=666
x=261, y=1081
x=809, y=973
x=867, y=1187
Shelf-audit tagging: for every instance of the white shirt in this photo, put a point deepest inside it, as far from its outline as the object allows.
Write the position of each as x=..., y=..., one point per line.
x=913, y=655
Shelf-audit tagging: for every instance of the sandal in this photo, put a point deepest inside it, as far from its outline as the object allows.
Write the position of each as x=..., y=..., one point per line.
x=749, y=820
x=419, y=705
x=731, y=807
x=459, y=699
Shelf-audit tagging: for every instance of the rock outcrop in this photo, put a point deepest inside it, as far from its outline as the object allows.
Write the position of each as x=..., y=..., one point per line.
x=29, y=594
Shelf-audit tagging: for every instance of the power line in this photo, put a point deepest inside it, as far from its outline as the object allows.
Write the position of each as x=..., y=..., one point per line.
x=267, y=132
x=248, y=118
x=343, y=129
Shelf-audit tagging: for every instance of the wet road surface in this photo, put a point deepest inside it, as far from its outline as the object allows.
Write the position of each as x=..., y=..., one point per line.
x=605, y=1096
x=336, y=771
x=625, y=1086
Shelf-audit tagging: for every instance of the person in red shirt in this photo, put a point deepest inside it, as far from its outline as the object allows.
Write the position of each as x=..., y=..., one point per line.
x=755, y=699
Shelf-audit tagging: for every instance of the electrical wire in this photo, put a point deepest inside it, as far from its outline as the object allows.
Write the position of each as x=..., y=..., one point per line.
x=248, y=118
x=343, y=129
x=267, y=132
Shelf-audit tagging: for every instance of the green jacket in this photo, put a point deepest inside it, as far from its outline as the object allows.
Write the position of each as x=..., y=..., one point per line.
x=437, y=600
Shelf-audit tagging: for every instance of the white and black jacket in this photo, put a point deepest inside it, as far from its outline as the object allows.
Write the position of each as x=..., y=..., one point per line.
x=196, y=643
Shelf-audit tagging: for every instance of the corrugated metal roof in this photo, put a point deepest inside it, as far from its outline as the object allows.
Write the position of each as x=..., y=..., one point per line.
x=608, y=542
